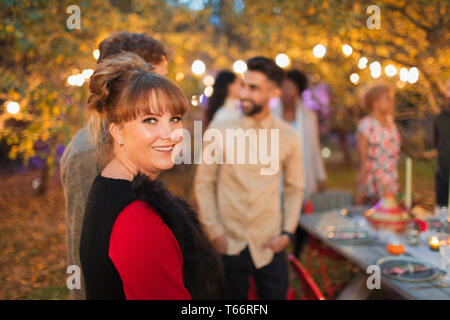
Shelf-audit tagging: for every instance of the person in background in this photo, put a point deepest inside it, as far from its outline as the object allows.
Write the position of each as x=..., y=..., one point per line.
x=305, y=122
x=442, y=144
x=223, y=104
x=240, y=206
x=79, y=163
x=378, y=146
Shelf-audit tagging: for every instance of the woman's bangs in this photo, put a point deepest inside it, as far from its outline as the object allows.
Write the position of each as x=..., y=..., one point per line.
x=159, y=100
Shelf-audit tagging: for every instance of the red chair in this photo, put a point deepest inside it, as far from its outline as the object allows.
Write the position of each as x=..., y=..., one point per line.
x=320, y=250
x=252, y=293
x=309, y=289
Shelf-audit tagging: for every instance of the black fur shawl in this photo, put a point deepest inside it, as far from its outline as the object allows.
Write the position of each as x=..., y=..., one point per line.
x=202, y=267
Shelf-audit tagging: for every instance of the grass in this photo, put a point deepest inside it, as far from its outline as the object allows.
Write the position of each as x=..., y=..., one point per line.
x=32, y=240
x=32, y=229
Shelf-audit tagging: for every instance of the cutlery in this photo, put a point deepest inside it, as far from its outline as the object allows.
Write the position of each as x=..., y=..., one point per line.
x=440, y=285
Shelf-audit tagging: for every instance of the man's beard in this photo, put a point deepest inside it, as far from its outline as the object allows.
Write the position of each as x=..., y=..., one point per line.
x=256, y=108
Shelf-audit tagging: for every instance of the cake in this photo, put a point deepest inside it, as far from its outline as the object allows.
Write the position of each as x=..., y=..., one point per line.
x=388, y=214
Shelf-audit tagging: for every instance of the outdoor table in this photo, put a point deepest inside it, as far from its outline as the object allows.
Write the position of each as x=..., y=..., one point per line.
x=364, y=255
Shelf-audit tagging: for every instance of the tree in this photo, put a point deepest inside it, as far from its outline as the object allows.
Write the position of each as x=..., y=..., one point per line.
x=40, y=53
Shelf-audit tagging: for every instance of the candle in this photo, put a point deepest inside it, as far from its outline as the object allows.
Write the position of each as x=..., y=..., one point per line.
x=434, y=243
x=408, y=187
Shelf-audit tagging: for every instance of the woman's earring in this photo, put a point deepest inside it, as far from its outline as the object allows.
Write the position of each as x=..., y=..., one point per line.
x=120, y=143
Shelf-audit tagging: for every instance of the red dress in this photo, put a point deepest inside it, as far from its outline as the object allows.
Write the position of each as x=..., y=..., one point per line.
x=147, y=255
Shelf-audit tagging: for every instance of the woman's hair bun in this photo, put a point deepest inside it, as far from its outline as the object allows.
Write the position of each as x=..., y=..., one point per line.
x=104, y=84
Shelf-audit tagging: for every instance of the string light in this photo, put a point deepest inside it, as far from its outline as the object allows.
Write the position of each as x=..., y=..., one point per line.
x=319, y=51
x=326, y=152
x=347, y=49
x=282, y=60
x=208, y=80
x=87, y=73
x=96, y=54
x=362, y=63
x=375, y=69
x=195, y=100
x=208, y=91
x=354, y=78
x=179, y=76
x=413, y=75
x=404, y=74
x=390, y=70
x=239, y=66
x=12, y=107
x=198, y=67
x=76, y=80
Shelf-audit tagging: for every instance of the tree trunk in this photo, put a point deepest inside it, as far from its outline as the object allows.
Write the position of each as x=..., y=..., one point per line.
x=42, y=189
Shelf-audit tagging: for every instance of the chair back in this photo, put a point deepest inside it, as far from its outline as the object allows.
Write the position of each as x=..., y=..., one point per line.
x=308, y=287
x=331, y=199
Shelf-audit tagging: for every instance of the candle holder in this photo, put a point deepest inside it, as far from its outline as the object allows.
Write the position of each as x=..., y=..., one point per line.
x=434, y=243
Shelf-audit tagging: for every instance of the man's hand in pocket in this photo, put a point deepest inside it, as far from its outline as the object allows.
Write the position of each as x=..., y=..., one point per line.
x=220, y=244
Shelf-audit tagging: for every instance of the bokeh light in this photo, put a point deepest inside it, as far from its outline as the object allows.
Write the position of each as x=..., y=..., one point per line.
x=326, y=152
x=208, y=80
x=239, y=66
x=96, y=54
x=208, y=91
x=76, y=80
x=179, y=76
x=87, y=73
x=195, y=100
x=354, y=78
x=12, y=107
x=347, y=49
x=413, y=75
x=375, y=69
x=319, y=51
x=404, y=74
x=198, y=67
x=362, y=63
x=390, y=70
x=282, y=60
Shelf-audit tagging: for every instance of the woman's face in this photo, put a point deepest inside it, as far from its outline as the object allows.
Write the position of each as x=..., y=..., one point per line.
x=289, y=92
x=149, y=141
x=234, y=89
x=385, y=103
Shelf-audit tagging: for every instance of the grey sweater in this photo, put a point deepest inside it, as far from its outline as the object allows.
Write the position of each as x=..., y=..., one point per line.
x=78, y=171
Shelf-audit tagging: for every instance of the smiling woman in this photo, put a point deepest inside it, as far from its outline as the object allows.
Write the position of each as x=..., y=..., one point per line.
x=142, y=110
x=138, y=241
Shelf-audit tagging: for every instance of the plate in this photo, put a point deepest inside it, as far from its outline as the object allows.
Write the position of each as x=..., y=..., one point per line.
x=388, y=264
x=349, y=235
x=354, y=211
x=436, y=224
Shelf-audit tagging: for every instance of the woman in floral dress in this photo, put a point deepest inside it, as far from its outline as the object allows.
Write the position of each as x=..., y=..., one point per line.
x=378, y=147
